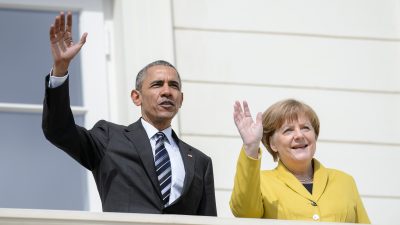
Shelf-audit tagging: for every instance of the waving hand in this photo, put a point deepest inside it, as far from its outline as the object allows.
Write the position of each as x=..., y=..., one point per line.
x=251, y=131
x=63, y=49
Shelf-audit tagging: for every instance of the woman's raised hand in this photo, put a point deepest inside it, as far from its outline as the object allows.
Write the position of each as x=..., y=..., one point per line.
x=250, y=131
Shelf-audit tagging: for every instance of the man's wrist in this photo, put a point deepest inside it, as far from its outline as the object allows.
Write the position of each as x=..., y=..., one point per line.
x=59, y=70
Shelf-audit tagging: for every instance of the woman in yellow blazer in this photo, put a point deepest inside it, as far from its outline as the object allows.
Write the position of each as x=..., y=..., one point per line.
x=300, y=187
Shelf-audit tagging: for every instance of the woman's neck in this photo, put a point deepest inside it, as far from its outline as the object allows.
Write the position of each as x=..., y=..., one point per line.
x=304, y=174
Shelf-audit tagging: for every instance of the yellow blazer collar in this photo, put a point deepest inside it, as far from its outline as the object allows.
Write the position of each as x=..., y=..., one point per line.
x=319, y=183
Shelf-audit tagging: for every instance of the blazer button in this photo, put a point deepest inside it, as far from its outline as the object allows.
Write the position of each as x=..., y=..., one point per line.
x=315, y=217
x=313, y=203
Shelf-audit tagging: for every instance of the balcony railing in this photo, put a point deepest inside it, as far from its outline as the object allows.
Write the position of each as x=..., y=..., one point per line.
x=61, y=217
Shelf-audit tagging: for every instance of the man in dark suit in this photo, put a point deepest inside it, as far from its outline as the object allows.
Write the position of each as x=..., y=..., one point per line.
x=143, y=167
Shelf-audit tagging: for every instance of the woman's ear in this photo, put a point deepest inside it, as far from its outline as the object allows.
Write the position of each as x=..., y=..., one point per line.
x=136, y=97
x=272, y=143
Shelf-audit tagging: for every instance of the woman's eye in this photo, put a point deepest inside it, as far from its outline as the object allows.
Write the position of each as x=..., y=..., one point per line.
x=287, y=131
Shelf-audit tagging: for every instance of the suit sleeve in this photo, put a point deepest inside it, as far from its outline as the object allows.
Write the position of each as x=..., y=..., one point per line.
x=59, y=128
x=208, y=205
x=246, y=198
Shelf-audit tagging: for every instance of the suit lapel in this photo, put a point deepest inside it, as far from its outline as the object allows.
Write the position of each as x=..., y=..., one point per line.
x=188, y=161
x=137, y=135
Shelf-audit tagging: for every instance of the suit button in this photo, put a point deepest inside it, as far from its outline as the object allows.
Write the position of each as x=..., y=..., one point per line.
x=315, y=217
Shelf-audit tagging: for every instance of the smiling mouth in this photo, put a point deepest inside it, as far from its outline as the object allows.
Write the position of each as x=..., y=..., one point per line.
x=300, y=147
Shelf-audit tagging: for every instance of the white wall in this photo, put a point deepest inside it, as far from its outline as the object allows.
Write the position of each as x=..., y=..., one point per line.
x=341, y=57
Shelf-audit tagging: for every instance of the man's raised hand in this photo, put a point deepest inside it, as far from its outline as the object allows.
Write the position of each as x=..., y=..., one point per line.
x=63, y=49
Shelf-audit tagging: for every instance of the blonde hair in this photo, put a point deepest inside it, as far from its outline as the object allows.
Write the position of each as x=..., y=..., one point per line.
x=280, y=112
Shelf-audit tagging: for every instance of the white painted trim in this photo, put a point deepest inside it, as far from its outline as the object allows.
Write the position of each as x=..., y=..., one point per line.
x=93, y=65
x=51, y=4
x=53, y=217
x=35, y=108
x=94, y=81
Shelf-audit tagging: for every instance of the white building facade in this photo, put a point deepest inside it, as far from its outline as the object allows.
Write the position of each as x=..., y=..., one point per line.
x=342, y=57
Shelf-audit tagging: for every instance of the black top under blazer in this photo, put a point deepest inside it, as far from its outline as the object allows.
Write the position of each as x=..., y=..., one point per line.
x=121, y=160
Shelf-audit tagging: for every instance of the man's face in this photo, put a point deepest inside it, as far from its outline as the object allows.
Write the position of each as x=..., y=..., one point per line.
x=160, y=97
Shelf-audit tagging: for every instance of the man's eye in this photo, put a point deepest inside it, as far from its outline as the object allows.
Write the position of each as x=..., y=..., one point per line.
x=174, y=85
x=156, y=85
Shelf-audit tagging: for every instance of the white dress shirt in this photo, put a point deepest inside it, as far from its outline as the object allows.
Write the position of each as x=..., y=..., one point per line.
x=177, y=168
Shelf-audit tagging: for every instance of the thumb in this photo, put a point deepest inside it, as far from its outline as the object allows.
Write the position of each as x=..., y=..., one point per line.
x=259, y=118
x=82, y=41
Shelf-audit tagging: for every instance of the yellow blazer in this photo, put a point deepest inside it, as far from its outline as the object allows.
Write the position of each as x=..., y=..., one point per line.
x=277, y=194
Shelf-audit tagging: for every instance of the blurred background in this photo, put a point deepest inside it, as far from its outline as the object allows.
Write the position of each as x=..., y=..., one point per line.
x=342, y=57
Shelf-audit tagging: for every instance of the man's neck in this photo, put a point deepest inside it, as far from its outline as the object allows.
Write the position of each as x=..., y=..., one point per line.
x=159, y=126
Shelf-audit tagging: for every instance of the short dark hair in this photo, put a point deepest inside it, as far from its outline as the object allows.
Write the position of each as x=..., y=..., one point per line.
x=142, y=73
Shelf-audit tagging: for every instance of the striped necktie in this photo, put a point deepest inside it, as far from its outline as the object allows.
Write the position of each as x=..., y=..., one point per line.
x=163, y=167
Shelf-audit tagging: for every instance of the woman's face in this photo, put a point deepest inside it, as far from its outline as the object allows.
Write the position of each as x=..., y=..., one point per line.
x=295, y=142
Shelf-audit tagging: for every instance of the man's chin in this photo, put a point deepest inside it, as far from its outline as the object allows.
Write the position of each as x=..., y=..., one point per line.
x=166, y=116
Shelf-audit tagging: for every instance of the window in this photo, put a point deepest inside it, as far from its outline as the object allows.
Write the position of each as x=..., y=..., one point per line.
x=34, y=173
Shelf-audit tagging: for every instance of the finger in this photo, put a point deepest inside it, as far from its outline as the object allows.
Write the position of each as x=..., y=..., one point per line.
x=239, y=110
x=239, y=107
x=53, y=41
x=57, y=25
x=246, y=109
x=82, y=41
x=236, y=106
x=52, y=34
x=62, y=21
x=57, y=30
x=236, y=112
x=69, y=22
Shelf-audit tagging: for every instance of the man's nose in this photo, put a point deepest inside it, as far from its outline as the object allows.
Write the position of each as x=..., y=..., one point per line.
x=166, y=90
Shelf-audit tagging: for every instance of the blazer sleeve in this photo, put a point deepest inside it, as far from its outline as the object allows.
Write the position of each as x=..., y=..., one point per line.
x=361, y=213
x=207, y=204
x=59, y=128
x=246, y=199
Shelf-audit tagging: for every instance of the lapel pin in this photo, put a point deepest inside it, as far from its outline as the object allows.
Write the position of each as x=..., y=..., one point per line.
x=190, y=155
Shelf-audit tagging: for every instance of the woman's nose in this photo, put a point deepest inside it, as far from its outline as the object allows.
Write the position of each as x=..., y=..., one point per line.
x=298, y=134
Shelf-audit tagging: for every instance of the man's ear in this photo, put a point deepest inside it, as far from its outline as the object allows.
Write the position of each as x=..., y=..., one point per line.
x=181, y=99
x=136, y=97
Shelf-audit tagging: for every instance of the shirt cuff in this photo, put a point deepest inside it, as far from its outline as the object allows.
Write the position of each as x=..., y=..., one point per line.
x=56, y=81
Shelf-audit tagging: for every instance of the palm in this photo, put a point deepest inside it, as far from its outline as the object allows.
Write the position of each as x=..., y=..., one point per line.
x=251, y=131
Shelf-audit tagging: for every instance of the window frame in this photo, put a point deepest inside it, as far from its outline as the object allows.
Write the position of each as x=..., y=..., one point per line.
x=93, y=68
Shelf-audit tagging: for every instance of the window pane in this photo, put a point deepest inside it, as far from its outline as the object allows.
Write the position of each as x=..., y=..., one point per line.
x=25, y=57
x=34, y=173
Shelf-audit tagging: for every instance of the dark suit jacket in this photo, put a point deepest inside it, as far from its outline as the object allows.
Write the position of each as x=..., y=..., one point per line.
x=122, y=164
